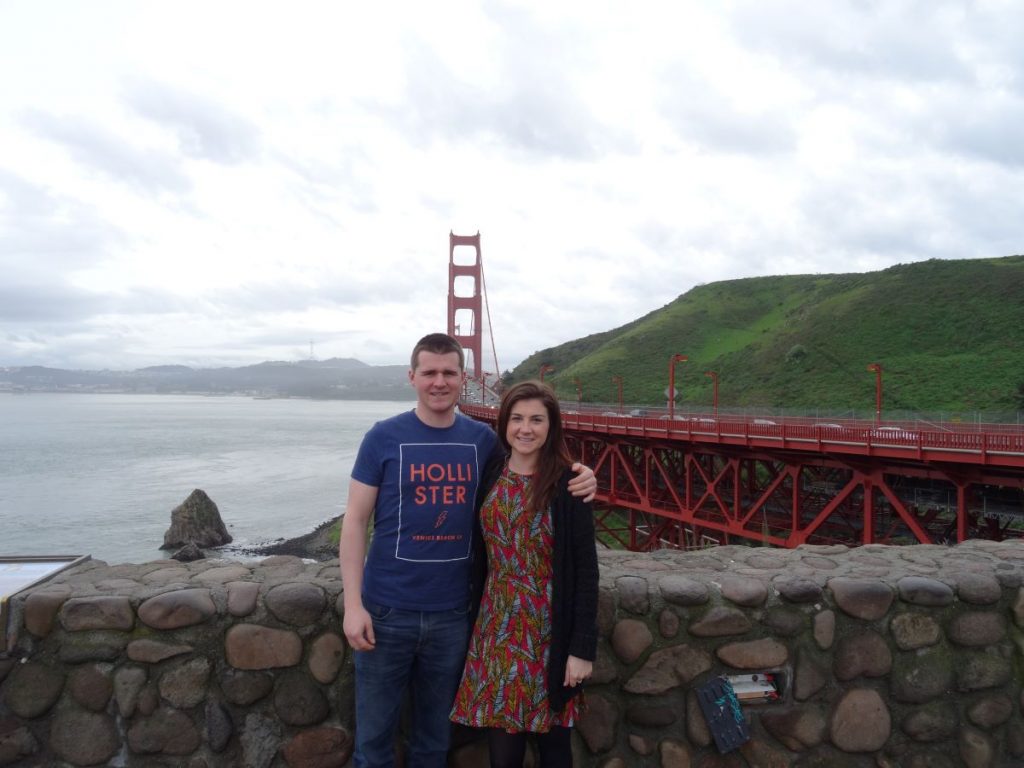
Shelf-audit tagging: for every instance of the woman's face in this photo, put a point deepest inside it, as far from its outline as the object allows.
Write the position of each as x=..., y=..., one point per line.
x=527, y=429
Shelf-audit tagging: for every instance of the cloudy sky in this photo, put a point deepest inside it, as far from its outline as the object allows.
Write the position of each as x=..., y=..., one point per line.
x=221, y=183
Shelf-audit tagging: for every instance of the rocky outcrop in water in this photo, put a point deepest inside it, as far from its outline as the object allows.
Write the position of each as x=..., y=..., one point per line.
x=188, y=554
x=196, y=521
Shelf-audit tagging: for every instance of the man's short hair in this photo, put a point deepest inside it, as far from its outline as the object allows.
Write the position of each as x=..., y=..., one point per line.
x=439, y=344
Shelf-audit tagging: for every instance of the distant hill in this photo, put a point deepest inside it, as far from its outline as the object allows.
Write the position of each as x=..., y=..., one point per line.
x=948, y=334
x=337, y=378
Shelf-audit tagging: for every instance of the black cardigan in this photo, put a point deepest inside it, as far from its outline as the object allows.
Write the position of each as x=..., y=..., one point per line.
x=574, y=580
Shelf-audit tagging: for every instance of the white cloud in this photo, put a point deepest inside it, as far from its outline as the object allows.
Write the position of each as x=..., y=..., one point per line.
x=223, y=183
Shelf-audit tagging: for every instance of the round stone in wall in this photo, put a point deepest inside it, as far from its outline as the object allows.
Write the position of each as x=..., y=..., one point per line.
x=165, y=730
x=861, y=721
x=798, y=728
x=825, y=629
x=597, y=726
x=326, y=657
x=681, y=590
x=976, y=747
x=184, y=685
x=862, y=654
x=746, y=592
x=754, y=654
x=91, y=687
x=696, y=726
x=977, y=628
x=668, y=668
x=32, y=689
x=932, y=722
x=668, y=623
x=978, y=670
x=245, y=688
x=914, y=630
x=797, y=590
x=84, y=738
x=861, y=598
x=922, y=676
x=978, y=588
x=326, y=747
x=630, y=638
x=633, y=594
x=650, y=716
x=990, y=711
x=721, y=621
x=921, y=590
x=300, y=701
x=674, y=754
x=298, y=603
x=177, y=609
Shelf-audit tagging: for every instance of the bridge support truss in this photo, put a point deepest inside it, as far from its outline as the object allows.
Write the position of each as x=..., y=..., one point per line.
x=654, y=495
x=657, y=492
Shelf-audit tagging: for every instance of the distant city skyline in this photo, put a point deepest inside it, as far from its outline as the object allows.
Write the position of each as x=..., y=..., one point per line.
x=4, y=366
x=342, y=379
x=221, y=184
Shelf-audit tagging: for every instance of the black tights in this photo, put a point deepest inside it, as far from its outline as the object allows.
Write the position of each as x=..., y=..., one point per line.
x=508, y=749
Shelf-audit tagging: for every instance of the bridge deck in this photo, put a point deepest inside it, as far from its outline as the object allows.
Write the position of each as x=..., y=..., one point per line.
x=794, y=481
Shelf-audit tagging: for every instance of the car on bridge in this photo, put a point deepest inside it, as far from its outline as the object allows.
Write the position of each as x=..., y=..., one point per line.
x=880, y=434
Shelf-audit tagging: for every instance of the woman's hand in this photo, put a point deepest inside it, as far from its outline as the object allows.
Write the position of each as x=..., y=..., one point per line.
x=584, y=485
x=576, y=671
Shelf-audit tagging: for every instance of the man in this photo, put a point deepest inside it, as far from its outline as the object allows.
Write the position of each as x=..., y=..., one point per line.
x=406, y=610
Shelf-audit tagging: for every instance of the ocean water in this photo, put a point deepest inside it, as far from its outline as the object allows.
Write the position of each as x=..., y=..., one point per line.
x=99, y=475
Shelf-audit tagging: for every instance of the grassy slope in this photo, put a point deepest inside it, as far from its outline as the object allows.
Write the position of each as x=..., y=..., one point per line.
x=949, y=335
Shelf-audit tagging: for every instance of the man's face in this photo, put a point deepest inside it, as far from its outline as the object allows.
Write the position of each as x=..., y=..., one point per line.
x=437, y=380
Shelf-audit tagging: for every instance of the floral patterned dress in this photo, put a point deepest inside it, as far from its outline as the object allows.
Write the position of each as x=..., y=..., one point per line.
x=504, y=683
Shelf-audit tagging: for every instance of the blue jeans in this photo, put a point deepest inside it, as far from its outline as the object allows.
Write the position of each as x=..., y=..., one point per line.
x=421, y=650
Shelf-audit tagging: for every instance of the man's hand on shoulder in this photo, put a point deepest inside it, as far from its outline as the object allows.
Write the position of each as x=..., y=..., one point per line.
x=585, y=483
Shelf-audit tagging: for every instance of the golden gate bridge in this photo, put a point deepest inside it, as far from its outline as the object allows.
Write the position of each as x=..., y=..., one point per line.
x=683, y=481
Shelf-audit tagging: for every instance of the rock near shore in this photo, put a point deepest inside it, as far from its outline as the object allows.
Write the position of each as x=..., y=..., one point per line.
x=196, y=521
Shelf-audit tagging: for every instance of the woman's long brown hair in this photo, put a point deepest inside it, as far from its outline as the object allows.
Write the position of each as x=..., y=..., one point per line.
x=554, y=456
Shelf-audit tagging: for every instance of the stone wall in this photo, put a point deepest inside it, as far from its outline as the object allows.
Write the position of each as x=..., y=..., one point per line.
x=888, y=656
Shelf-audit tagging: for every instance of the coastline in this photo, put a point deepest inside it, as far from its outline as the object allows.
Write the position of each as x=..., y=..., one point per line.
x=319, y=544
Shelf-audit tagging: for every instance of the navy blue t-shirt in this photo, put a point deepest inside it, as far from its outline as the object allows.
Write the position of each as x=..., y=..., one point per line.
x=427, y=480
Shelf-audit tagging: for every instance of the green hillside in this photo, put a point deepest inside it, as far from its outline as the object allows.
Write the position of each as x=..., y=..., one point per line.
x=949, y=336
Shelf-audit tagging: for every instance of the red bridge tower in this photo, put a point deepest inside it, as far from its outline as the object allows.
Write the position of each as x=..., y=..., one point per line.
x=464, y=311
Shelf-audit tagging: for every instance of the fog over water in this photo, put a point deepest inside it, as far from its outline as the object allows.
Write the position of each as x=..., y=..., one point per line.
x=100, y=474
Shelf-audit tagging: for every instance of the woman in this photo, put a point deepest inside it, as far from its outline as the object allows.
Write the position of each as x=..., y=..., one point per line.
x=535, y=637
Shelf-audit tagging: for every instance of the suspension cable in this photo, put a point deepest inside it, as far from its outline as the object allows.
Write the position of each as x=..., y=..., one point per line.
x=490, y=328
